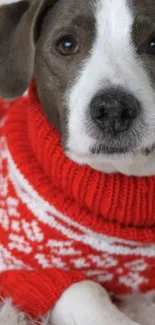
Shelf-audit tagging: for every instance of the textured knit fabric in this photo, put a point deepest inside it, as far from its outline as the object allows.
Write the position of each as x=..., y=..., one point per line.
x=61, y=223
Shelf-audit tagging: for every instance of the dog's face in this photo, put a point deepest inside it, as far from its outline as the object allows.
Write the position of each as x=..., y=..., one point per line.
x=95, y=72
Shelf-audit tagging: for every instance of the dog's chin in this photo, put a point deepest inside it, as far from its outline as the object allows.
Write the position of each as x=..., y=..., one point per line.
x=101, y=161
x=100, y=153
x=110, y=159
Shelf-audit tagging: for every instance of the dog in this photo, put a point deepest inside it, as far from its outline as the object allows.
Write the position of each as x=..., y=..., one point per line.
x=128, y=70
x=94, y=67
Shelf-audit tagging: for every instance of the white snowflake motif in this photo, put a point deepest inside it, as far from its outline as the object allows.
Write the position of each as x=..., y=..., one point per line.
x=3, y=186
x=33, y=231
x=8, y=261
x=131, y=275
x=8, y=209
x=48, y=261
x=63, y=248
x=59, y=251
x=105, y=265
x=105, y=260
x=19, y=243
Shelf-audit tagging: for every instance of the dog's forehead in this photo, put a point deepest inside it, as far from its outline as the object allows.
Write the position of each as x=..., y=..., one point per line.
x=71, y=13
x=72, y=8
x=101, y=12
x=144, y=9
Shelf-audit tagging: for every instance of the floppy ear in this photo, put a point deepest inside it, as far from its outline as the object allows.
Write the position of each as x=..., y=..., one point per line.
x=18, y=35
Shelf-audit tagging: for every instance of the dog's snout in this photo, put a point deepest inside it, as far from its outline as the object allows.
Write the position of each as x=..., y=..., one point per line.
x=114, y=110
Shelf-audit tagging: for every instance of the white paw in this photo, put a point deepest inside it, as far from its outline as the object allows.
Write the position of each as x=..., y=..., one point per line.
x=87, y=303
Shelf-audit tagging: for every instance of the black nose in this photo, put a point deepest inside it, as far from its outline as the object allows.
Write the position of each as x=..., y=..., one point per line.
x=114, y=110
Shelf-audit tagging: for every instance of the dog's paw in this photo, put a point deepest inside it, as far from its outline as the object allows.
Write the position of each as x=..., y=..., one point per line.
x=87, y=303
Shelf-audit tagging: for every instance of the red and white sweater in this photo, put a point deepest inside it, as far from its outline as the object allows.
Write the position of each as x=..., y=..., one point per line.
x=61, y=223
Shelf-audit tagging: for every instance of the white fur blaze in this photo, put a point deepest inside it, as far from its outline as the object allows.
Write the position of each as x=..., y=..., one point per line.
x=112, y=62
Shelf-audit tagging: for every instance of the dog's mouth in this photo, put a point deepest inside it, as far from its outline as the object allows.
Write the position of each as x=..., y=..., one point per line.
x=118, y=150
x=109, y=150
x=100, y=154
x=148, y=151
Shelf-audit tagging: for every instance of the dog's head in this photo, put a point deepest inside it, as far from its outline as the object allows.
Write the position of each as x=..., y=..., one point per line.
x=94, y=65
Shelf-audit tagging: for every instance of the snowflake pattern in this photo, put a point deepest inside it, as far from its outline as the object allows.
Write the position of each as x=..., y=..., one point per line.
x=26, y=244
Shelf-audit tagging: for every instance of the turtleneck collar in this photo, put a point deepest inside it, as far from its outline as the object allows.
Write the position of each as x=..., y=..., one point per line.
x=113, y=203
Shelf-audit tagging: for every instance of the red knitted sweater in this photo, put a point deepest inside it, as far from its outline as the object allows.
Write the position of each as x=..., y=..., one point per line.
x=61, y=223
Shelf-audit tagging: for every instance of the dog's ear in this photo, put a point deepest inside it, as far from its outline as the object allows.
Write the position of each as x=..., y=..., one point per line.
x=19, y=23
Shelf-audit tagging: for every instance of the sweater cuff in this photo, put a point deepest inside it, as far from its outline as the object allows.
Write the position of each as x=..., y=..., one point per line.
x=36, y=292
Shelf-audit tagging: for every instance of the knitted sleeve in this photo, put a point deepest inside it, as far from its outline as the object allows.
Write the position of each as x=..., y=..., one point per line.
x=36, y=292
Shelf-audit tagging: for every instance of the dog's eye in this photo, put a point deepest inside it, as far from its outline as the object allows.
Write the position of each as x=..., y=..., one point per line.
x=67, y=45
x=152, y=47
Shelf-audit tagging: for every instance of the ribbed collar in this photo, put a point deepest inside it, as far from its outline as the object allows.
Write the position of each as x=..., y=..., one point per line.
x=108, y=203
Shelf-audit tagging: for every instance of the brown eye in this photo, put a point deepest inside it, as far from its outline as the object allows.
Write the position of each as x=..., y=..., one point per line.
x=67, y=45
x=152, y=47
